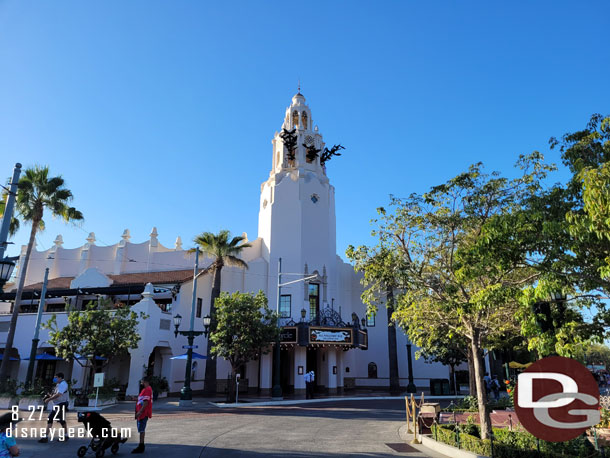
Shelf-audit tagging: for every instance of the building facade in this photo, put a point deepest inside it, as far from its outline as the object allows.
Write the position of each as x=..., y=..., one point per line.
x=321, y=311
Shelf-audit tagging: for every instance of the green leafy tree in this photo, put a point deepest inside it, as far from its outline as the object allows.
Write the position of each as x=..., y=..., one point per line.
x=378, y=267
x=224, y=250
x=245, y=325
x=597, y=354
x=461, y=265
x=36, y=192
x=100, y=330
x=569, y=248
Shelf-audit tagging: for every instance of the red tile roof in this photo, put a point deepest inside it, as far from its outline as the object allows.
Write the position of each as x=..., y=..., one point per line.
x=138, y=278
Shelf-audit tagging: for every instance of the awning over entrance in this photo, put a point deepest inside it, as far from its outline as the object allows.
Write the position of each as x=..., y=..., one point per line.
x=327, y=329
x=305, y=335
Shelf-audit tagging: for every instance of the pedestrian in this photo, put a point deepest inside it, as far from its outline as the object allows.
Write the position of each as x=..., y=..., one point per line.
x=487, y=381
x=495, y=386
x=8, y=444
x=310, y=379
x=57, y=404
x=143, y=411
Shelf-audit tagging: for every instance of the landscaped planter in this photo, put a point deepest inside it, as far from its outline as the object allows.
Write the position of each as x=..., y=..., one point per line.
x=6, y=402
x=102, y=402
x=26, y=402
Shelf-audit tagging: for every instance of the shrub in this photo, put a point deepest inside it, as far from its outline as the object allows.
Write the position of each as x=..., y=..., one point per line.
x=159, y=384
x=37, y=389
x=108, y=391
x=8, y=388
x=512, y=444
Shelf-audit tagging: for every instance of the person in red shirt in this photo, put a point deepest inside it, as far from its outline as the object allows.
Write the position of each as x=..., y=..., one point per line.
x=143, y=411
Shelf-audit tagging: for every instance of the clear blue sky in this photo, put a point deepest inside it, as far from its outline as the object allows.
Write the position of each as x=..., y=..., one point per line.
x=161, y=113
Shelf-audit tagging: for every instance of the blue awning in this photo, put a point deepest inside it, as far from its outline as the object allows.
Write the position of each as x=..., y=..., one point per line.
x=46, y=357
x=185, y=356
x=12, y=358
x=97, y=358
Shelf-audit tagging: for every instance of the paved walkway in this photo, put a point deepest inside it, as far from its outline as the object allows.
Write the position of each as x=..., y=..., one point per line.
x=360, y=428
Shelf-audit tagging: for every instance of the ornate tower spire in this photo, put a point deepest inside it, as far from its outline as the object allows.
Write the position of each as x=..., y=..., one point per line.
x=299, y=143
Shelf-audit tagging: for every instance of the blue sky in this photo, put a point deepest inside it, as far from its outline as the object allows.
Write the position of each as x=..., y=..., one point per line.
x=161, y=113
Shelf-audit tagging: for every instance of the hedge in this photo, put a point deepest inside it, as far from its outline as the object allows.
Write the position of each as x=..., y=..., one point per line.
x=512, y=444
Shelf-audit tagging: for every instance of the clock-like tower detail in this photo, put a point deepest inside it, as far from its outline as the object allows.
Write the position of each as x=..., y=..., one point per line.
x=297, y=211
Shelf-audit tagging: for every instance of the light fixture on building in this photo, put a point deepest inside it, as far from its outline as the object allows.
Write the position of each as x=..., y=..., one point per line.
x=363, y=321
x=6, y=270
x=177, y=321
x=557, y=296
x=303, y=313
x=206, y=324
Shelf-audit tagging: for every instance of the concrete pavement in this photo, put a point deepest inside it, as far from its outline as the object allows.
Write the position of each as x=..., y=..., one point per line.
x=361, y=428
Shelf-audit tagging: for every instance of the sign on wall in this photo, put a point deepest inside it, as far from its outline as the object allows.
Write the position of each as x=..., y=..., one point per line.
x=341, y=336
x=288, y=334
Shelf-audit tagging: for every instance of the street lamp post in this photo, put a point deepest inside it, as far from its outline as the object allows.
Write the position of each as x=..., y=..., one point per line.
x=411, y=386
x=276, y=392
x=8, y=209
x=186, y=394
x=35, y=340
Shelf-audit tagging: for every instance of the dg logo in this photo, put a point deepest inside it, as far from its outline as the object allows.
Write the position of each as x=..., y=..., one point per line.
x=557, y=399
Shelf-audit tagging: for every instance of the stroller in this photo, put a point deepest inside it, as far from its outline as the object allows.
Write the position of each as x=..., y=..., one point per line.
x=98, y=443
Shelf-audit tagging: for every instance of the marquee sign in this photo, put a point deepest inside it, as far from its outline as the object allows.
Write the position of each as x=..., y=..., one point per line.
x=288, y=335
x=336, y=336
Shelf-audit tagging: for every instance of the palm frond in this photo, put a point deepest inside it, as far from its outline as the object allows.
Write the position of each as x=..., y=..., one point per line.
x=235, y=261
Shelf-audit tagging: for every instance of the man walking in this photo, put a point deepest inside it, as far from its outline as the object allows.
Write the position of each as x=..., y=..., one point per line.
x=57, y=404
x=310, y=378
x=143, y=411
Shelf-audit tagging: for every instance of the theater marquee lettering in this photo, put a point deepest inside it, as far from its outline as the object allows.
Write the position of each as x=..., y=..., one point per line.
x=288, y=335
x=330, y=336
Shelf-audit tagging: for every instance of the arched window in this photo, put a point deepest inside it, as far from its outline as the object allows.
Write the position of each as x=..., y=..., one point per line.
x=295, y=118
x=372, y=370
x=304, y=120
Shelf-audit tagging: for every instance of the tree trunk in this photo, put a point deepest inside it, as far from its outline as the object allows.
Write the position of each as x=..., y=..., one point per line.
x=472, y=386
x=479, y=369
x=453, y=381
x=231, y=386
x=23, y=270
x=392, y=351
x=209, y=386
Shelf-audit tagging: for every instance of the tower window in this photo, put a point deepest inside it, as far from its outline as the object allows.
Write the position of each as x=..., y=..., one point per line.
x=314, y=198
x=370, y=321
x=314, y=300
x=285, y=302
x=304, y=120
x=295, y=119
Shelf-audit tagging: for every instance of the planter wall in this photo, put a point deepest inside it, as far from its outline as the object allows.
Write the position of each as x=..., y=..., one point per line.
x=6, y=402
x=24, y=403
x=102, y=402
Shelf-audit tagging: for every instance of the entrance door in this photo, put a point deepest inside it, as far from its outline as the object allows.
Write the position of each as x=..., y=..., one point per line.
x=285, y=368
x=312, y=364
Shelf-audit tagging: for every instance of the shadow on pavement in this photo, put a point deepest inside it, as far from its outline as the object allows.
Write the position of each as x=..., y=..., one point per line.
x=212, y=452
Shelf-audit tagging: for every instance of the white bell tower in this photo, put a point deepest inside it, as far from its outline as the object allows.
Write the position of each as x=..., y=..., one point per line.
x=297, y=210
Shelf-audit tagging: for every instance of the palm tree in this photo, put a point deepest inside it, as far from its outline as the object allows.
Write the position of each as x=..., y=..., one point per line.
x=224, y=250
x=36, y=192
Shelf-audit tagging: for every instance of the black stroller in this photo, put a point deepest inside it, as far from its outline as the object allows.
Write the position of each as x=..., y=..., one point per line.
x=102, y=435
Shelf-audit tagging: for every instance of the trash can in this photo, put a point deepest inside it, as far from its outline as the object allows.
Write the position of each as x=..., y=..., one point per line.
x=425, y=422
